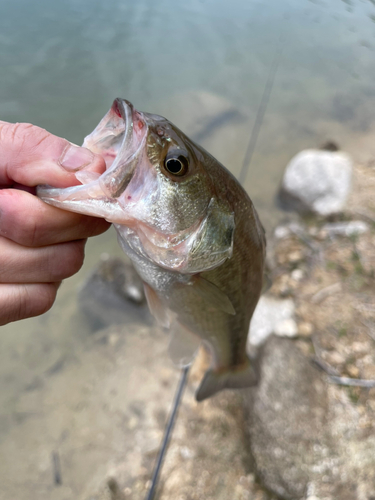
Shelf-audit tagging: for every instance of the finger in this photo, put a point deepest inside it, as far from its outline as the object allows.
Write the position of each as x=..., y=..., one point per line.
x=19, y=264
x=24, y=301
x=27, y=220
x=30, y=156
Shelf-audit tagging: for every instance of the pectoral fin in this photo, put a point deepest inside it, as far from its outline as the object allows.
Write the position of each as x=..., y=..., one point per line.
x=159, y=311
x=212, y=295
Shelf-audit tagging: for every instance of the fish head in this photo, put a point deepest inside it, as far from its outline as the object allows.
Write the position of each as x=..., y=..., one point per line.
x=157, y=190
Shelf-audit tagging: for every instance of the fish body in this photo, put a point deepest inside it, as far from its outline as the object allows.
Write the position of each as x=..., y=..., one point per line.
x=190, y=230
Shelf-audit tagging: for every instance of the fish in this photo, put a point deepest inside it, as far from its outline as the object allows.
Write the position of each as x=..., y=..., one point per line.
x=190, y=230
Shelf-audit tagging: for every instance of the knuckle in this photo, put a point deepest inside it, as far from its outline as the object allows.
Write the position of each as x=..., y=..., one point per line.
x=25, y=301
x=18, y=134
x=22, y=226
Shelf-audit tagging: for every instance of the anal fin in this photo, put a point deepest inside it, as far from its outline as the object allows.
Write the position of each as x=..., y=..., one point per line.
x=183, y=345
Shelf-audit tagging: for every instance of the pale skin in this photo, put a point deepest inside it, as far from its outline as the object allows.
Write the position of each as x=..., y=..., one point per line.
x=40, y=245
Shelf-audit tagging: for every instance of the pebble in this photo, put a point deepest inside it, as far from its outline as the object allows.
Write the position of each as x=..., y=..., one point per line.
x=295, y=256
x=359, y=347
x=353, y=371
x=297, y=274
x=286, y=328
x=334, y=358
x=305, y=329
x=349, y=228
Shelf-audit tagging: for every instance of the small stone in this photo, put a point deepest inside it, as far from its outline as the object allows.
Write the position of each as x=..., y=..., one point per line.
x=295, y=256
x=305, y=329
x=186, y=452
x=334, y=358
x=359, y=347
x=113, y=339
x=286, y=328
x=353, y=371
x=297, y=274
x=133, y=422
x=322, y=235
x=349, y=228
x=368, y=372
x=282, y=232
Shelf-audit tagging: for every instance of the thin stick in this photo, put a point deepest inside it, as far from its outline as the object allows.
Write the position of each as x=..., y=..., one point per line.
x=167, y=432
x=331, y=372
x=260, y=114
x=56, y=466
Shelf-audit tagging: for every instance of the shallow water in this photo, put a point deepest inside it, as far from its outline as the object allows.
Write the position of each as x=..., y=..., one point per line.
x=204, y=65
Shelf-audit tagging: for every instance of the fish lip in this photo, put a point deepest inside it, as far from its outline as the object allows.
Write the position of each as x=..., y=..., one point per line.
x=100, y=197
x=115, y=179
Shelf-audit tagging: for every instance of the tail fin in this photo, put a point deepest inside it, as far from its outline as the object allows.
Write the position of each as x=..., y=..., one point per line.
x=214, y=382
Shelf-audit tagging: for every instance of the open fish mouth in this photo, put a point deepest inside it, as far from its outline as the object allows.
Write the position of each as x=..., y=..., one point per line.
x=119, y=138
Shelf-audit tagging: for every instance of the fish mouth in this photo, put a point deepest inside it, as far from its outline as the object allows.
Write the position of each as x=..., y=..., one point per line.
x=119, y=138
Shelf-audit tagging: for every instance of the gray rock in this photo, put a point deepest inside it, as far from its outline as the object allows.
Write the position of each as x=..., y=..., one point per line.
x=317, y=181
x=272, y=316
x=306, y=436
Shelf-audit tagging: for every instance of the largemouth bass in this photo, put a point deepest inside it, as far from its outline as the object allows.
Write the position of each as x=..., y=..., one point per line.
x=190, y=230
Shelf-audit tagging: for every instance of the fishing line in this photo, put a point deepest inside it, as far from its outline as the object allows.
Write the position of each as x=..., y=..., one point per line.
x=261, y=112
x=167, y=432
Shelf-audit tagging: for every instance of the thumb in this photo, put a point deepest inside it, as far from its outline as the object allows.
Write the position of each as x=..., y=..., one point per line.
x=30, y=156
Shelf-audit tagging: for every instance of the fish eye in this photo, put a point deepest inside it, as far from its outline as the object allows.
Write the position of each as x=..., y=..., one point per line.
x=176, y=165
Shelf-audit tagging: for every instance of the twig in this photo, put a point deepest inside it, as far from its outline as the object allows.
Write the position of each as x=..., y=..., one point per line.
x=355, y=382
x=326, y=292
x=332, y=373
x=167, y=433
x=56, y=466
x=365, y=215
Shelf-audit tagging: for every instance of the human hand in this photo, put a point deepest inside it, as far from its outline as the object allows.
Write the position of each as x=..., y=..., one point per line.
x=40, y=245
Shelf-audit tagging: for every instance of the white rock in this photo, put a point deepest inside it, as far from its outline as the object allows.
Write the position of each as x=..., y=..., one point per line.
x=269, y=317
x=297, y=274
x=346, y=228
x=317, y=181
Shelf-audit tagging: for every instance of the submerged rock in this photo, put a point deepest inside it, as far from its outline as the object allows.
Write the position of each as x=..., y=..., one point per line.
x=307, y=438
x=113, y=294
x=317, y=181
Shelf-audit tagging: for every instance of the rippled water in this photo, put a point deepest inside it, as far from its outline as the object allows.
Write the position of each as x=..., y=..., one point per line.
x=204, y=64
